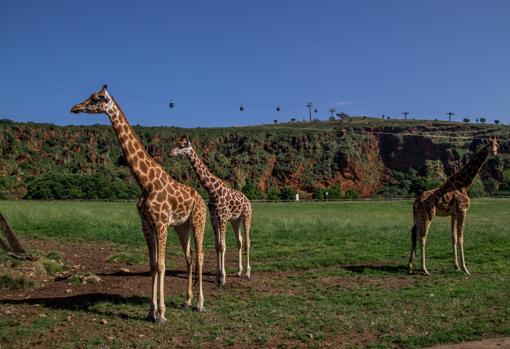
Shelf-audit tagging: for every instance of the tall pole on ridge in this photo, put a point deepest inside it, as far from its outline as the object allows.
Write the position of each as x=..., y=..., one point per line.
x=309, y=106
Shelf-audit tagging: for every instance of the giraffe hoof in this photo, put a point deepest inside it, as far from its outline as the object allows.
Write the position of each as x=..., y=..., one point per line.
x=150, y=318
x=239, y=274
x=160, y=320
x=201, y=309
x=425, y=272
x=248, y=277
x=186, y=305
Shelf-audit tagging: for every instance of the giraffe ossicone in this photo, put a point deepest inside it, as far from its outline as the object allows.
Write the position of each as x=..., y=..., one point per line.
x=164, y=202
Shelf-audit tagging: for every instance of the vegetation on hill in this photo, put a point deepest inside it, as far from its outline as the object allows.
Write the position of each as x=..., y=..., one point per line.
x=325, y=160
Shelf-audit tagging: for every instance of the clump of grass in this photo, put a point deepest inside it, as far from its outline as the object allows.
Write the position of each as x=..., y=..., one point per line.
x=15, y=283
x=55, y=255
x=127, y=258
x=85, y=278
x=74, y=279
x=53, y=266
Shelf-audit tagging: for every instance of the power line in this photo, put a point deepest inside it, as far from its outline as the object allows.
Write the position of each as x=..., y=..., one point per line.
x=172, y=95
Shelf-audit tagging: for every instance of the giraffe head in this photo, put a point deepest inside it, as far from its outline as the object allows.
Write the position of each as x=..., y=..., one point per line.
x=97, y=103
x=493, y=145
x=183, y=146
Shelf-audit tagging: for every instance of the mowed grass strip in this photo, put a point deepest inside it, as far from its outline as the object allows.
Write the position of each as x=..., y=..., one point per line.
x=343, y=279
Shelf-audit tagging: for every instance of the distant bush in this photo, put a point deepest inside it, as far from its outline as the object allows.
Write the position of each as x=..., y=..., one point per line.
x=351, y=194
x=319, y=193
x=288, y=193
x=332, y=193
x=63, y=186
x=421, y=184
x=273, y=194
x=252, y=192
x=477, y=190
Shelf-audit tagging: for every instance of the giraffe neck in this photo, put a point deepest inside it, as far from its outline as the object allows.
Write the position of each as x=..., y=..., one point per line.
x=463, y=179
x=210, y=182
x=138, y=159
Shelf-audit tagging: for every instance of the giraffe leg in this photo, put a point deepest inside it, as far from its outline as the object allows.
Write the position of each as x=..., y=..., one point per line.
x=223, y=231
x=247, y=227
x=198, y=226
x=183, y=232
x=414, y=239
x=217, y=244
x=423, y=231
x=454, y=242
x=460, y=232
x=150, y=238
x=239, y=237
x=162, y=235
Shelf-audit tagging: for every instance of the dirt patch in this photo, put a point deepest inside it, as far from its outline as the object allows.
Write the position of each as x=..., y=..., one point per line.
x=126, y=281
x=498, y=343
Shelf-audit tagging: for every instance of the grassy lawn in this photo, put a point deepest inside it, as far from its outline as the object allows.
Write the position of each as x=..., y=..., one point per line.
x=335, y=274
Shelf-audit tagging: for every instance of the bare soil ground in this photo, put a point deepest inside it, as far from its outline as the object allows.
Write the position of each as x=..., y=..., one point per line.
x=499, y=343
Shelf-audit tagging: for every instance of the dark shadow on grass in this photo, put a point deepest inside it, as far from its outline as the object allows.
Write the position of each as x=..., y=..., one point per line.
x=84, y=302
x=175, y=273
x=361, y=268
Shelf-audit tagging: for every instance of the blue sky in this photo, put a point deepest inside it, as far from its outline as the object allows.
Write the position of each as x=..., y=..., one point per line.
x=361, y=57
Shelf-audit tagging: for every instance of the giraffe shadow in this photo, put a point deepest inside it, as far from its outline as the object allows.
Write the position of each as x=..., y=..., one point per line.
x=85, y=302
x=363, y=268
x=174, y=273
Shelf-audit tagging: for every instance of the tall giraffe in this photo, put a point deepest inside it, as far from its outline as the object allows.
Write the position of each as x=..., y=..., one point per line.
x=164, y=202
x=450, y=199
x=225, y=205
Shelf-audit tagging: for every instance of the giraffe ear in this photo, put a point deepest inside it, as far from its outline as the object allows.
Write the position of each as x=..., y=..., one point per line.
x=188, y=142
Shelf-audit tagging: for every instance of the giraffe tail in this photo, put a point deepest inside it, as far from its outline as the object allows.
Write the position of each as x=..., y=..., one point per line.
x=414, y=237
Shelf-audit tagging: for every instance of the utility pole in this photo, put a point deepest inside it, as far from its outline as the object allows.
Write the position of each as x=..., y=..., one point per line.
x=309, y=105
x=405, y=115
x=450, y=114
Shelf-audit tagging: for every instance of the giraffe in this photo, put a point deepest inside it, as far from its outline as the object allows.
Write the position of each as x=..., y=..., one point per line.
x=225, y=205
x=164, y=202
x=450, y=199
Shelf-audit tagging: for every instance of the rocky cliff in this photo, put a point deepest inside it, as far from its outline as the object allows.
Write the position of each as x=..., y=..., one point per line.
x=360, y=155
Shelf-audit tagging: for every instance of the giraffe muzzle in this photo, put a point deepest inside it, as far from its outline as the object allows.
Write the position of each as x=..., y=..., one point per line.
x=76, y=109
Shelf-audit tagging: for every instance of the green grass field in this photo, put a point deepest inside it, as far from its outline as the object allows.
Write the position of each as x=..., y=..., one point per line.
x=337, y=274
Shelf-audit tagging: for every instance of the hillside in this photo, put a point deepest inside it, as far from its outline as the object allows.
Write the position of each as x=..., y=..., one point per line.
x=357, y=156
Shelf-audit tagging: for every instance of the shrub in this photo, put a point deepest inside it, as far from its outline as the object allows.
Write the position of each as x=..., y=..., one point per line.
x=288, y=193
x=319, y=193
x=351, y=194
x=273, y=194
x=477, y=189
x=421, y=184
x=252, y=192
x=334, y=192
